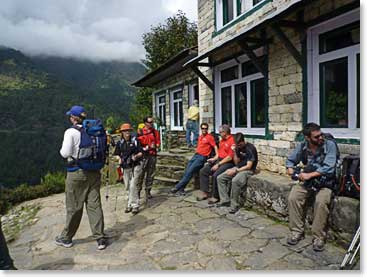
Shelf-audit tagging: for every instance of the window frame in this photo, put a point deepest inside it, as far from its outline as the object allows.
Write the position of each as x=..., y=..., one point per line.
x=192, y=92
x=172, y=109
x=158, y=105
x=218, y=95
x=314, y=59
x=236, y=11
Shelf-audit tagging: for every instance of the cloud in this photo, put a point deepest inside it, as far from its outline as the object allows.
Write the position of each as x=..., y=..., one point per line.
x=96, y=30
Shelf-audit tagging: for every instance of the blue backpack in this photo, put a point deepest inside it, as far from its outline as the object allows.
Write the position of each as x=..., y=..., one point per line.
x=92, y=148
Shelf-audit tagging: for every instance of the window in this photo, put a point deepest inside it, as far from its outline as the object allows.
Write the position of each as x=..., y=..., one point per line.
x=176, y=110
x=334, y=75
x=227, y=11
x=240, y=97
x=161, y=108
x=193, y=93
x=246, y=5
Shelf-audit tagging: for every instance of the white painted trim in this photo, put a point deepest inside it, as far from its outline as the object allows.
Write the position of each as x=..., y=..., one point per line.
x=191, y=92
x=172, y=110
x=232, y=83
x=314, y=59
x=157, y=105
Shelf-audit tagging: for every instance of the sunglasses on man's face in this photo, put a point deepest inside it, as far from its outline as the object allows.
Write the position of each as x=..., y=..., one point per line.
x=318, y=136
x=204, y=128
x=150, y=122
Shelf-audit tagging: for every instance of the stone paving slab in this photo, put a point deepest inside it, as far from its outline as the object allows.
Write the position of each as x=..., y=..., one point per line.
x=169, y=233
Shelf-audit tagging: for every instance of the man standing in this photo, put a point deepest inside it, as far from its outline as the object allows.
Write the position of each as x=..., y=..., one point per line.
x=319, y=155
x=205, y=146
x=81, y=186
x=150, y=142
x=217, y=165
x=233, y=181
x=6, y=263
x=129, y=153
x=192, y=124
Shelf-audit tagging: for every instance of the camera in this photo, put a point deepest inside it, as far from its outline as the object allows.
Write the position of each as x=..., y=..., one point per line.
x=296, y=173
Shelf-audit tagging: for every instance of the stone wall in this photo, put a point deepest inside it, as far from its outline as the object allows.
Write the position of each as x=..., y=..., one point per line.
x=285, y=94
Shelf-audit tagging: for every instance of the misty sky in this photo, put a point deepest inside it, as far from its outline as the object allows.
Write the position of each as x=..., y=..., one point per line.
x=97, y=30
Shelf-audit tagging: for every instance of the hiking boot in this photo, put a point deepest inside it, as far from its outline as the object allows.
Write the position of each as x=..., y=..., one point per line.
x=67, y=243
x=180, y=193
x=128, y=210
x=233, y=210
x=224, y=204
x=101, y=243
x=213, y=200
x=148, y=195
x=135, y=211
x=318, y=245
x=172, y=191
x=202, y=196
x=294, y=238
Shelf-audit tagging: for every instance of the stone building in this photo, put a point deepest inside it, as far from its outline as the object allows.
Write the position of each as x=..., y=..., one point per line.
x=174, y=89
x=267, y=67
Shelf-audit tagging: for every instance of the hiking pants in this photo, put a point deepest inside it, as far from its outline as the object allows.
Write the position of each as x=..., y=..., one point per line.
x=131, y=179
x=192, y=126
x=297, y=210
x=5, y=260
x=147, y=176
x=83, y=187
x=206, y=171
x=193, y=166
x=230, y=188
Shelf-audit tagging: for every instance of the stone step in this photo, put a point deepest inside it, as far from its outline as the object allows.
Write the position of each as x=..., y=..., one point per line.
x=170, y=171
x=173, y=158
x=163, y=181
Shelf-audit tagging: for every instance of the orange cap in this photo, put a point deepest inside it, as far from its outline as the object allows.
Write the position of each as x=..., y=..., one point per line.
x=125, y=127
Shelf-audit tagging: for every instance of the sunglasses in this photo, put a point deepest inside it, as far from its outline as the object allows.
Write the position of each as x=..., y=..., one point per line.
x=318, y=136
x=204, y=128
x=150, y=122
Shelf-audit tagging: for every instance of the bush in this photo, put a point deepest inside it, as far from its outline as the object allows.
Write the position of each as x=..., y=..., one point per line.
x=50, y=184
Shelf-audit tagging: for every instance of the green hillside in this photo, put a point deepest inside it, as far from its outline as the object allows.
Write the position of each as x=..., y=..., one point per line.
x=34, y=96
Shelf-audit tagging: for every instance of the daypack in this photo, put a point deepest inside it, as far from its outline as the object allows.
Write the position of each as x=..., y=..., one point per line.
x=92, y=148
x=337, y=173
x=126, y=153
x=350, y=177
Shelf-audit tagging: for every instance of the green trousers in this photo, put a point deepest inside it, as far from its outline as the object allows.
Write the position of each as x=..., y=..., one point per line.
x=83, y=187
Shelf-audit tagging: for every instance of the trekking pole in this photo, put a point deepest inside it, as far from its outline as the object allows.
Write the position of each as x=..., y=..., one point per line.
x=108, y=173
x=351, y=250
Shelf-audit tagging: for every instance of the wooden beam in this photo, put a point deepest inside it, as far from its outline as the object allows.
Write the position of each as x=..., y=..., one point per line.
x=255, y=60
x=299, y=26
x=287, y=44
x=203, y=77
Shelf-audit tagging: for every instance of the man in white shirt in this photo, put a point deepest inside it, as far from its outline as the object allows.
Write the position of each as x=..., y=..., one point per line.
x=81, y=186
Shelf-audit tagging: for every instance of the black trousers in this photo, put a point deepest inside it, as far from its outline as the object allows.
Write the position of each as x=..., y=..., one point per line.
x=5, y=261
x=206, y=171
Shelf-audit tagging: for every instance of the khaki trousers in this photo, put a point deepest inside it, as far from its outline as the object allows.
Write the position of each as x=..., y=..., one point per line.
x=131, y=180
x=231, y=187
x=147, y=177
x=83, y=187
x=297, y=210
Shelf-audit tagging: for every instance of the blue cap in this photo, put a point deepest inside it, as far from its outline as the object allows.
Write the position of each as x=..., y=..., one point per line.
x=77, y=111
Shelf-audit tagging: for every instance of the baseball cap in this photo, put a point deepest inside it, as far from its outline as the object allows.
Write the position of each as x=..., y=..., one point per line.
x=77, y=111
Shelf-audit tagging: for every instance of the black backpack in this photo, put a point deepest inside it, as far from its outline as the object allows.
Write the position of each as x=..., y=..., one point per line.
x=350, y=177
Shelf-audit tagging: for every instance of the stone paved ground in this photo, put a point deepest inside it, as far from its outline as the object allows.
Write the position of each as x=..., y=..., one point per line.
x=169, y=233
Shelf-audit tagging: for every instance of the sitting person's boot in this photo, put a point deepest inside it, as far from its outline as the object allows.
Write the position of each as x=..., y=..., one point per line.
x=318, y=244
x=202, y=196
x=213, y=200
x=294, y=238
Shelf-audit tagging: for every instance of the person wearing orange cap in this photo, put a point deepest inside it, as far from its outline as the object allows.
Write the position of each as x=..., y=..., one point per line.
x=129, y=153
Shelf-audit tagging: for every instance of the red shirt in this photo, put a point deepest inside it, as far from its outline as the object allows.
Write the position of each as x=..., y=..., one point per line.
x=205, y=145
x=149, y=137
x=225, y=149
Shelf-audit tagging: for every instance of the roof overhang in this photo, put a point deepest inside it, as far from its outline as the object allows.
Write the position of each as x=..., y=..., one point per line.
x=291, y=7
x=173, y=66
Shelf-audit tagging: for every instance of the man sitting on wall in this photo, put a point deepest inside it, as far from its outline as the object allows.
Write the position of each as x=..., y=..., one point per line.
x=319, y=155
x=192, y=124
x=233, y=181
x=206, y=144
x=217, y=165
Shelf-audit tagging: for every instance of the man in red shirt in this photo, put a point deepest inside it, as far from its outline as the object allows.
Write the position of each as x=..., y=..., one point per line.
x=206, y=144
x=150, y=142
x=217, y=165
